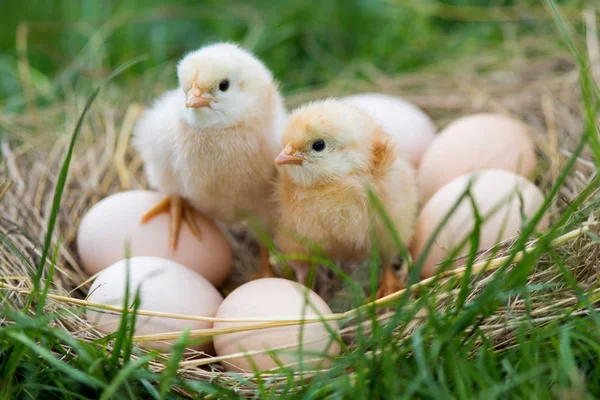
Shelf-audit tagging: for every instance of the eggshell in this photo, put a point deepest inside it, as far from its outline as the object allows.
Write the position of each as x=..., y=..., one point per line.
x=270, y=298
x=116, y=220
x=472, y=143
x=411, y=127
x=165, y=286
x=496, y=194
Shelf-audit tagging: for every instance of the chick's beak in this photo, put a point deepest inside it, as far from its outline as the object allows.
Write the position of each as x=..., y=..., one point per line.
x=287, y=156
x=194, y=97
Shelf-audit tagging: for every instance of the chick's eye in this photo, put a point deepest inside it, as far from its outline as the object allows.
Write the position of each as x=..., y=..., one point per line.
x=318, y=145
x=224, y=85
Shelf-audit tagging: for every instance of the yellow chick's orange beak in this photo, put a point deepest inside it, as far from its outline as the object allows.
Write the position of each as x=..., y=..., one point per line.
x=194, y=97
x=287, y=157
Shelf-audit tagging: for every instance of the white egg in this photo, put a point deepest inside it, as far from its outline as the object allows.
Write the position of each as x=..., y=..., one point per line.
x=405, y=122
x=164, y=286
x=270, y=298
x=115, y=222
x=497, y=194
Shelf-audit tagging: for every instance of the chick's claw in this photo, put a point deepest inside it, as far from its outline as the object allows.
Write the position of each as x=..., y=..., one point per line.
x=189, y=215
x=178, y=209
x=158, y=209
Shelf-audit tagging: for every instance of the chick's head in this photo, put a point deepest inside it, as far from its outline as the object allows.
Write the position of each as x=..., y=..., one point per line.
x=327, y=140
x=224, y=85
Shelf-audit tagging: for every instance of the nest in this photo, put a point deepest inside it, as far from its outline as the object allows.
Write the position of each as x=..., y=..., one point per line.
x=545, y=94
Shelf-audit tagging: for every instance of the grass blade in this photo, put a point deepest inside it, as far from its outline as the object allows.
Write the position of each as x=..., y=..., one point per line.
x=51, y=359
x=123, y=375
x=122, y=332
x=171, y=371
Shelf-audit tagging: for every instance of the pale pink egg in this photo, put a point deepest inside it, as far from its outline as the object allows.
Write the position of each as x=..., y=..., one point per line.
x=405, y=122
x=115, y=223
x=497, y=194
x=164, y=286
x=276, y=298
x=474, y=143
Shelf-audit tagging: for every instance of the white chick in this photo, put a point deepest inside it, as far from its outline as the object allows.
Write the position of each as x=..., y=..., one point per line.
x=333, y=152
x=209, y=145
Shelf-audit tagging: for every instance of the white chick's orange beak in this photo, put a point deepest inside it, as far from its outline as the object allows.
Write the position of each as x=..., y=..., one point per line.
x=287, y=156
x=194, y=97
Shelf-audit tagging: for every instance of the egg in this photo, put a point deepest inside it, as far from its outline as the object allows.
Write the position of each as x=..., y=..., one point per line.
x=164, y=286
x=473, y=143
x=115, y=221
x=411, y=127
x=274, y=298
x=496, y=194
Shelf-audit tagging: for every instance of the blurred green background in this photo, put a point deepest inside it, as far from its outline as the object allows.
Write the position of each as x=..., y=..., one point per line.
x=305, y=42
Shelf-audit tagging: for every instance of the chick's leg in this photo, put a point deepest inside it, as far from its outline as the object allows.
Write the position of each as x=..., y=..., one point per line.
x=390, y=283
x=301, y=269
x=179, y=210
x=290, y=245
x=265, y=267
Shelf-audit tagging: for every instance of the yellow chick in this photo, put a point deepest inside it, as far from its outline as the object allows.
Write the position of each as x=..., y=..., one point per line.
x=332, y=152
x=209, y=145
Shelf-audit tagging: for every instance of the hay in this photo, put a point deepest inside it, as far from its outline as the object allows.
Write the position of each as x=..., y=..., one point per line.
x=543, y=93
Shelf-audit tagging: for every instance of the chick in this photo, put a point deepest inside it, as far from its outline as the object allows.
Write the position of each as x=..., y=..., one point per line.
x=209, y=145
x=333, y=152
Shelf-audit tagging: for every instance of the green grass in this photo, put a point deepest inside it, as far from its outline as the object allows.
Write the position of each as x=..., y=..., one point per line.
x=307, y=44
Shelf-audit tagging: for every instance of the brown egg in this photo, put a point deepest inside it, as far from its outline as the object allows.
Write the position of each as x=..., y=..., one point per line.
x=275, y=298
x=115, y=221
x=474, y=143
x=165, y=286
x=405, y=122
x=496, y=194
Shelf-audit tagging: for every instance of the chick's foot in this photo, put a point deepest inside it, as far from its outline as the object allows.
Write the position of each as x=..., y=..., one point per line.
x=265, y=267
x=390, y=283
x=179, y=210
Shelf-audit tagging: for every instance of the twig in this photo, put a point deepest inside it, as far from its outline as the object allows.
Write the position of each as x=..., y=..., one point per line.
x=13, y=169
x=4, y=188
x=130, y=117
